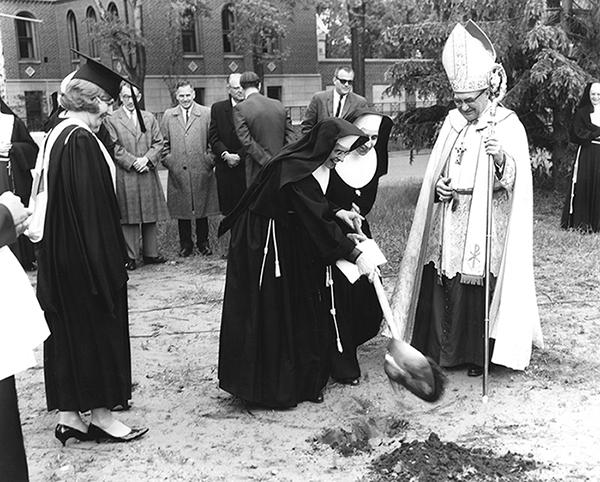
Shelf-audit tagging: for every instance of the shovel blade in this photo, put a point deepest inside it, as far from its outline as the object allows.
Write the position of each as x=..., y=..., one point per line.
x=406, y=367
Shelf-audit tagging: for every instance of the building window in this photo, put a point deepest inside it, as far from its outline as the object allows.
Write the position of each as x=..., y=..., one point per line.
x=90, y=19
x=274, y=92
x=33, y=109
x=72, y=30
x=112, y=10
x=26, y=37
x=199, y=95
x=228, y=24
x=189, y=38
x=271, y=45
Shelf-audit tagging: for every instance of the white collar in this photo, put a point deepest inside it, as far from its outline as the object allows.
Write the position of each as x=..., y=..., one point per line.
x=357, y=171
x=321, y=174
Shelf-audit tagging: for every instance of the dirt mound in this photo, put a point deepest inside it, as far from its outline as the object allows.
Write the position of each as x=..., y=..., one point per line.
x=357, y=438
x=434, y=460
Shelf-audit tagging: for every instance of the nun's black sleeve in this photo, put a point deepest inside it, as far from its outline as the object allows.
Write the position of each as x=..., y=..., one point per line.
x=313, y=209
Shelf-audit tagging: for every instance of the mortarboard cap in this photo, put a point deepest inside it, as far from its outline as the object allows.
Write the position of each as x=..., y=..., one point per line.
x=107, y=79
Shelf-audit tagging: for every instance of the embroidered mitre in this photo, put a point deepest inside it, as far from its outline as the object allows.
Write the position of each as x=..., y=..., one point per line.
x=468, y=57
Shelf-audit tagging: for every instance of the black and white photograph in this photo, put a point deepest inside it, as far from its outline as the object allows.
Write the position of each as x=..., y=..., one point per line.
x=299, y=240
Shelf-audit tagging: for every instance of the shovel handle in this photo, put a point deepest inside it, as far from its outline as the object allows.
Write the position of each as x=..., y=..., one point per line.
x=385, y=307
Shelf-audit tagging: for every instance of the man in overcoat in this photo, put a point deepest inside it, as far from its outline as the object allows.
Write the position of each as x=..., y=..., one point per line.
x=231, y=178
x=191, y=188
x=336, y=102
x=261, y=124
x=139, y=191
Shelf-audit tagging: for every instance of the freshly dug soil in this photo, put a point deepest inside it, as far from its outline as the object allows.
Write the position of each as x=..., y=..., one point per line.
x=434, y=460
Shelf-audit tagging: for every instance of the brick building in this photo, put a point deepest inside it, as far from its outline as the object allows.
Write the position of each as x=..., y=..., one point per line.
x=37, y=55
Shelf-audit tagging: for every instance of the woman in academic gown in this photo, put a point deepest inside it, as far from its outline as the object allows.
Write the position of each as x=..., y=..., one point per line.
x=82, y=282
x=275, y=326
x=21, y=150
x=582, y=207
x=353, y=186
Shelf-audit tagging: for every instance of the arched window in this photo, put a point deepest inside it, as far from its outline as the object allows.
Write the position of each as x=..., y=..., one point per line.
x=90, y=20
x=189, y=36
x=72, y=30
x=112, y=10
x=228, y=24
x=26, y=41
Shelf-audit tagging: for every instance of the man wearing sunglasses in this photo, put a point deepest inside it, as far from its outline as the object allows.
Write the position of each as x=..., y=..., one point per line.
x=336, y=102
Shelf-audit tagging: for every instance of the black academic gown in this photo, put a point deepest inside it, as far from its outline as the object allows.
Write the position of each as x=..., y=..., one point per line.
x=82, y=281
x=275, y=337
x=359, y=314
x=22, y=157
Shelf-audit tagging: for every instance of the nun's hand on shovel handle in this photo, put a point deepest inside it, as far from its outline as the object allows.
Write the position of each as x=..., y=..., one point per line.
x=356, y=238
x=351, y=218
x=366, y=266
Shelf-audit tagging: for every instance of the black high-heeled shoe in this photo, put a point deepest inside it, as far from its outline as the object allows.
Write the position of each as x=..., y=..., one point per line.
x=64, y=433
x=99, y=435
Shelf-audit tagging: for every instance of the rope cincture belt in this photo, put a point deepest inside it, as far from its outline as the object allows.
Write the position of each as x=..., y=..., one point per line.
x=270, y=229
x=329, y=284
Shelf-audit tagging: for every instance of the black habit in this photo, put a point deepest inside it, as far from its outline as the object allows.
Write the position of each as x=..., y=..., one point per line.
x=231, y=181
x=275, y=337
x=359, y=314
x=23, y=154
x=584, y=193
x=82, y=282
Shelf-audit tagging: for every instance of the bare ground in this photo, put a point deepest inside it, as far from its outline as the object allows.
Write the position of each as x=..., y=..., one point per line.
x=547, y=417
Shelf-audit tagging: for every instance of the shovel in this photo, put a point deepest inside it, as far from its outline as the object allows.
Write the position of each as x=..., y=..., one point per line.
x=406, y=366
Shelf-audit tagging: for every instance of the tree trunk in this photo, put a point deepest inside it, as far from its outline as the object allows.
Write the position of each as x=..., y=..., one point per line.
x=257, y=61
x=356, y=14
x=560, y=146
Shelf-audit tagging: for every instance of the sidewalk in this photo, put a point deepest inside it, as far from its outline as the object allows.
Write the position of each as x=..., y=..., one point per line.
x=398, y=170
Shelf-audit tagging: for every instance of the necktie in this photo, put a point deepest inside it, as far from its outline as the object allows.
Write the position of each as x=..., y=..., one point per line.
x=339, y=106
x=187, y=115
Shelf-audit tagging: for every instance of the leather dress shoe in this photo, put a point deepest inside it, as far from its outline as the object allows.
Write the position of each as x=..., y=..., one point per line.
x=318, y=398
x=64, y=433
x=99, y=435
x=185, y=252
x=205, y=249
x=348, y=381
x=130, y=264
x=475, y=371
x=154, y=260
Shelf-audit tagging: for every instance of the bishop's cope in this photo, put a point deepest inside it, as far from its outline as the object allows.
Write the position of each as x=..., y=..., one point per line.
x=439, y=294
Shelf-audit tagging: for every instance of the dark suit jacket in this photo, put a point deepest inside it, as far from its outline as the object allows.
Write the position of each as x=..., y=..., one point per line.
x=263, y=127
x=231, y=181
x=321, y=107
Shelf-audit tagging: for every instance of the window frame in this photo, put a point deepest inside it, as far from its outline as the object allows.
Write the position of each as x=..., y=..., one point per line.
x=192, y=32
x=73, y=35
x=91, y=18
x=30, y=38
x=227, y=28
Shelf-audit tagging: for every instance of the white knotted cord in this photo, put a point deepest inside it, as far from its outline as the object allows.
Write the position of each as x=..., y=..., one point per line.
x=329, y=283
